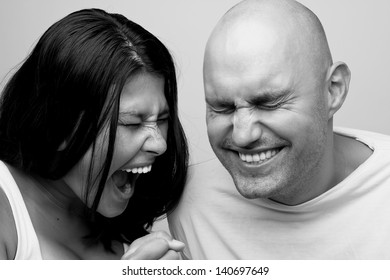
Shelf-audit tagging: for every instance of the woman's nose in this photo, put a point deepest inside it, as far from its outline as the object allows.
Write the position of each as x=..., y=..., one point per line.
x=155, y=142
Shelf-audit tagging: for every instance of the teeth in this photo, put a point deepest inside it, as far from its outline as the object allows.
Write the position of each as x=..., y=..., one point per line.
x=144, y=169
x=259, y=157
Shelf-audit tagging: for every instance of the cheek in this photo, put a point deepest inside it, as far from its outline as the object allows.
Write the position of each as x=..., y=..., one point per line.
x=303, y=130
x=217, y=127
x=77, y=177
x=301, y=121
x=164, y=131
x=126, y=144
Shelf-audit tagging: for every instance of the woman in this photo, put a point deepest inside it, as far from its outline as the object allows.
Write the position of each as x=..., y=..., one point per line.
x=91, y=147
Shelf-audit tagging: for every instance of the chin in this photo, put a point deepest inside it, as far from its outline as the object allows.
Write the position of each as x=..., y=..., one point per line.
x=253, y=194
x=252, y=189
x=110, y=212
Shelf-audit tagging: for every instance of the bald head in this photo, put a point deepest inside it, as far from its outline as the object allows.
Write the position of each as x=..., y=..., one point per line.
x=258, y=30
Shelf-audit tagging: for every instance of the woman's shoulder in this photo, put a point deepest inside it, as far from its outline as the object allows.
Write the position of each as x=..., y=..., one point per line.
x=8, y=234
x=10, y=197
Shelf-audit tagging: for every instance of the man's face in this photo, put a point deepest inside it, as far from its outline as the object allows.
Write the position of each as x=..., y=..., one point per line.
x=266, y=119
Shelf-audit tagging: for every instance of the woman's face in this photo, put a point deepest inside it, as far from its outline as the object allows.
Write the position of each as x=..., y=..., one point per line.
x=140, y=137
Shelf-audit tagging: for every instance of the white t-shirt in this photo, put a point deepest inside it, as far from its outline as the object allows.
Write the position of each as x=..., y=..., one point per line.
x=350, y=221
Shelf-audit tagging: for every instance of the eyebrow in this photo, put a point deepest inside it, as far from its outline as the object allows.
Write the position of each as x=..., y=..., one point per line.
x=129, y=113
x=259, y=99
x=135, y=113
x=220, y=101
x=268, y=96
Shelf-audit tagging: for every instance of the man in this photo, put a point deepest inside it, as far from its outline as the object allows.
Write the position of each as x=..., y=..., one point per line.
x=297, y=189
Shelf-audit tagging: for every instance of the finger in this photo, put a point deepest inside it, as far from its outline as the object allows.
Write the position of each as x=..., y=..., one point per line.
x=160, y=234
x=147, y=238
x=153, y=250
x=171, y=255
x=173, y=243
x=176, y=245
x=142, y=241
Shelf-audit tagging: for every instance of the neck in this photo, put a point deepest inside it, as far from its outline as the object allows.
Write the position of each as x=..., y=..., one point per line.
x=320, y=177
x=62, y=196
x=341, y=157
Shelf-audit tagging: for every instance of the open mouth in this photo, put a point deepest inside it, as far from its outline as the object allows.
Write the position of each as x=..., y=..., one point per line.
x=257, y=158
x=125, y=179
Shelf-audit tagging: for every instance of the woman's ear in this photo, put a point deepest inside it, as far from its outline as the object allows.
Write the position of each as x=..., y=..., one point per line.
x=338, y=80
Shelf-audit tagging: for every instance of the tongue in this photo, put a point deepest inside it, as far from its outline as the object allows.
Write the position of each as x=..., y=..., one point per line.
x=119, y=178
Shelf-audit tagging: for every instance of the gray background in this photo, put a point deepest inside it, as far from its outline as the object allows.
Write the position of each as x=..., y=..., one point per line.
x=358, y=32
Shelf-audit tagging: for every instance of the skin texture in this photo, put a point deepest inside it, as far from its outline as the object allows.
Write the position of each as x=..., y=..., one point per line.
x=270, y=85
x=141, y=137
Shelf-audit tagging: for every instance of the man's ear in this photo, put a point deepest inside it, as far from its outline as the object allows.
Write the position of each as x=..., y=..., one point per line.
x=338, y=80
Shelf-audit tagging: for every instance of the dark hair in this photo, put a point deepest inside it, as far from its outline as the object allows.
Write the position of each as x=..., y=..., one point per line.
x=68, y=88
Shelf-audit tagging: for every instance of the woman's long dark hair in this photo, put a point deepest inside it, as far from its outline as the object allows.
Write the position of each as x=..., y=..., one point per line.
x=68, y=89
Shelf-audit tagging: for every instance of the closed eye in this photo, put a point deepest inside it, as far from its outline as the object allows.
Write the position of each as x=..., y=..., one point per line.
x=130, y=124
x=162, y=120
x=270, y=106
x=221, y=108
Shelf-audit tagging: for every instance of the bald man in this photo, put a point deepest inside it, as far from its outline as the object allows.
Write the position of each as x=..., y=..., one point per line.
x=285, y=184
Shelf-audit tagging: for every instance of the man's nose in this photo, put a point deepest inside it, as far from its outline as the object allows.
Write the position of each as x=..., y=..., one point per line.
x=246, y=127
x=155, y=142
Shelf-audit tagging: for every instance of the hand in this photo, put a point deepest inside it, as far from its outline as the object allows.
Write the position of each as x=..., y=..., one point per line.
x=157, y=245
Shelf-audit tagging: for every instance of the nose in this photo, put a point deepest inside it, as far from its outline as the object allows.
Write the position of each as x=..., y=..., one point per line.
x=246, y=127
x=155, y=142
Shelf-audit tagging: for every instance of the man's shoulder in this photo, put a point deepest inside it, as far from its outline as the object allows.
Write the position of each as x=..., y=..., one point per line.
x=208, y=172
x=212, y=164
x=372, y=139
x=207, y=180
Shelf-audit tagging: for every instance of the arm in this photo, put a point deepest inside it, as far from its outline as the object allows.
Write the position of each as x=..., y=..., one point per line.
x=8, y=234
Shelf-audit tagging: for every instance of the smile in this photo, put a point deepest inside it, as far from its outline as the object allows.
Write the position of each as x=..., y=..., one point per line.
x=258, y=157
x=144, y=169
x=125, y=179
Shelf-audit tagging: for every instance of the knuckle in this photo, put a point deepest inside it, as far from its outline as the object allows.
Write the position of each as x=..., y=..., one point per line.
x=173, y=255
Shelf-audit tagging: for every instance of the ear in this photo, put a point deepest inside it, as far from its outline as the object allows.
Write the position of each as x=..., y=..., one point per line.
x=338, y=80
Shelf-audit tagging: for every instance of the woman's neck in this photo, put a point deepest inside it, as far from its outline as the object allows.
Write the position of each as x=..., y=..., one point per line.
x=62, y=196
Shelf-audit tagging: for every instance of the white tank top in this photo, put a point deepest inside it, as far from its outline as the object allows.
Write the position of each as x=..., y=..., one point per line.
x=28, y=245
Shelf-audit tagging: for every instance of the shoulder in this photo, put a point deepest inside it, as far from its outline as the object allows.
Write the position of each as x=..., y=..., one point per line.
x=374, y=140
x=366, y=156
x=206, y=181
x=8, y=234
x=208, y=172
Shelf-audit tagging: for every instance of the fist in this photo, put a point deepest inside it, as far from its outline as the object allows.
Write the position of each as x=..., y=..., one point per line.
x=157, y=245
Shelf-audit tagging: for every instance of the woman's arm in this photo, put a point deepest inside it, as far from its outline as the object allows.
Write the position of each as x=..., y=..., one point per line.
x=8, y=234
